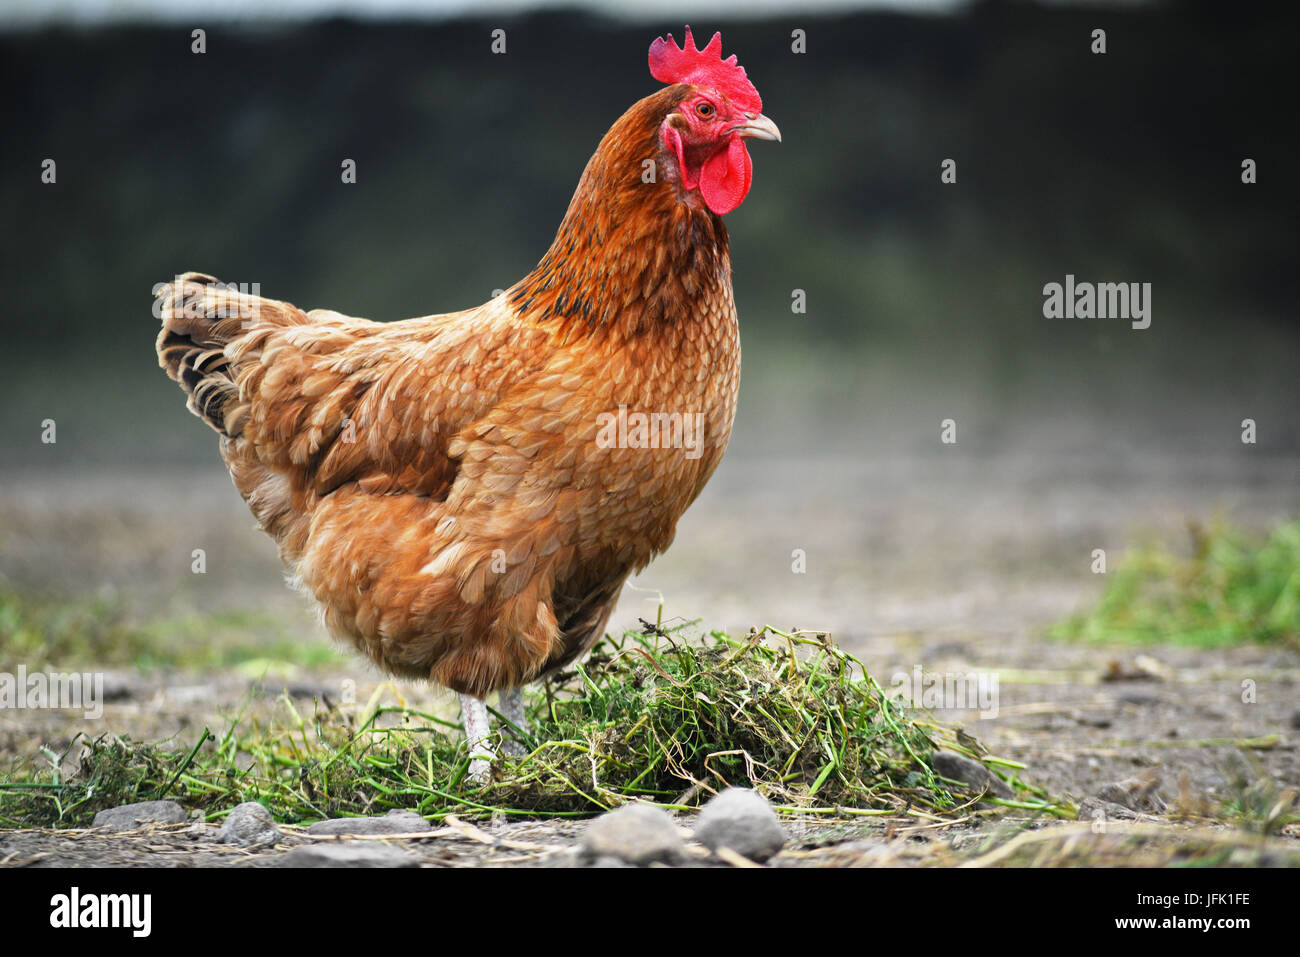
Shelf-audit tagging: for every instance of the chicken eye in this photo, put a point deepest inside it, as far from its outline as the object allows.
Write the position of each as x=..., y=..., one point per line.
x=704, y=109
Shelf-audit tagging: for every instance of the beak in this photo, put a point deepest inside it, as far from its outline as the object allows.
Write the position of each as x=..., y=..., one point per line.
x=758, y=127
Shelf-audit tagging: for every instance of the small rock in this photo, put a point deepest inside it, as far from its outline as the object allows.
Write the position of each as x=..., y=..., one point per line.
x=1295, y=720
x=184, y=695
x=742, y=820
x=312, y=689
x=569, y=858
x=1139, y=698
x=974, y=775
x=397, y=821
x=1144, y=668
x=119, y=686
x=249, y=825
x=130, y=816
x=70, y=766
x=948, y=649
x=636, y=833
x=1092, y=720
x=349, y=854
x=1094, y=809
x=1137, y=793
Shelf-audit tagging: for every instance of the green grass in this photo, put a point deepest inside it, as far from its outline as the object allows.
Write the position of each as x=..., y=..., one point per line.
x=43, y=632
x=99, y=631
x=652, y=715
x=1232, y=588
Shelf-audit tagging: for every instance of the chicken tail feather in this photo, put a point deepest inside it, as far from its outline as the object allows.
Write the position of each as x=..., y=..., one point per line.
x=200, y=318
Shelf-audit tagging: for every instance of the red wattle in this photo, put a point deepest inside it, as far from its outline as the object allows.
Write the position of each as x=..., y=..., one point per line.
x=725, y=177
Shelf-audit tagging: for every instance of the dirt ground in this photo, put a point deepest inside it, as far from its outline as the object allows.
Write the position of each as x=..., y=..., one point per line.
x=951, y=567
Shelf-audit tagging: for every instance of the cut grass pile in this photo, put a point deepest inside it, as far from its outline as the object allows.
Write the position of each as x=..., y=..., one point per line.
x=653, y=715
x=1232, y=589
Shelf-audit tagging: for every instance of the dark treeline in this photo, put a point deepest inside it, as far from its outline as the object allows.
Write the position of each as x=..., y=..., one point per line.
x=1117, y=167
x=1124, y=164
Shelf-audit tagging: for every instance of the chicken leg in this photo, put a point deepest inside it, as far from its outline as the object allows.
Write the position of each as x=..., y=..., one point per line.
x=478, y=728
x=511, y=706
x=474, y=716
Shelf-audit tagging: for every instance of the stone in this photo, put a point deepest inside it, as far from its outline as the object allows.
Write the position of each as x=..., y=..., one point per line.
x=349, y=854
x=742, y=820
x=130, y=816
x=1138, y=793
x=1095, y=809
x=973, y=774
x=635, y=833
x=397, y=821
x=249, y=825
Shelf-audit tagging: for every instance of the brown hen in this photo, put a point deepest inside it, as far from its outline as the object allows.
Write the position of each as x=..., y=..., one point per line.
x=465, y=494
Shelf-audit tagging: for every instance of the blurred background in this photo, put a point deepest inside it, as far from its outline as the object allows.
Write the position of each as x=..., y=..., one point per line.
x=924, y=299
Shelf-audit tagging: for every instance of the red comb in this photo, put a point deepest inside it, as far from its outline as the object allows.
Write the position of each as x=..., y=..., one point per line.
x=670, y=63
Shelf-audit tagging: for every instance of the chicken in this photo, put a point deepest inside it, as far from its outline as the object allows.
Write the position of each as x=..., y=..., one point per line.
x=465, y=494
